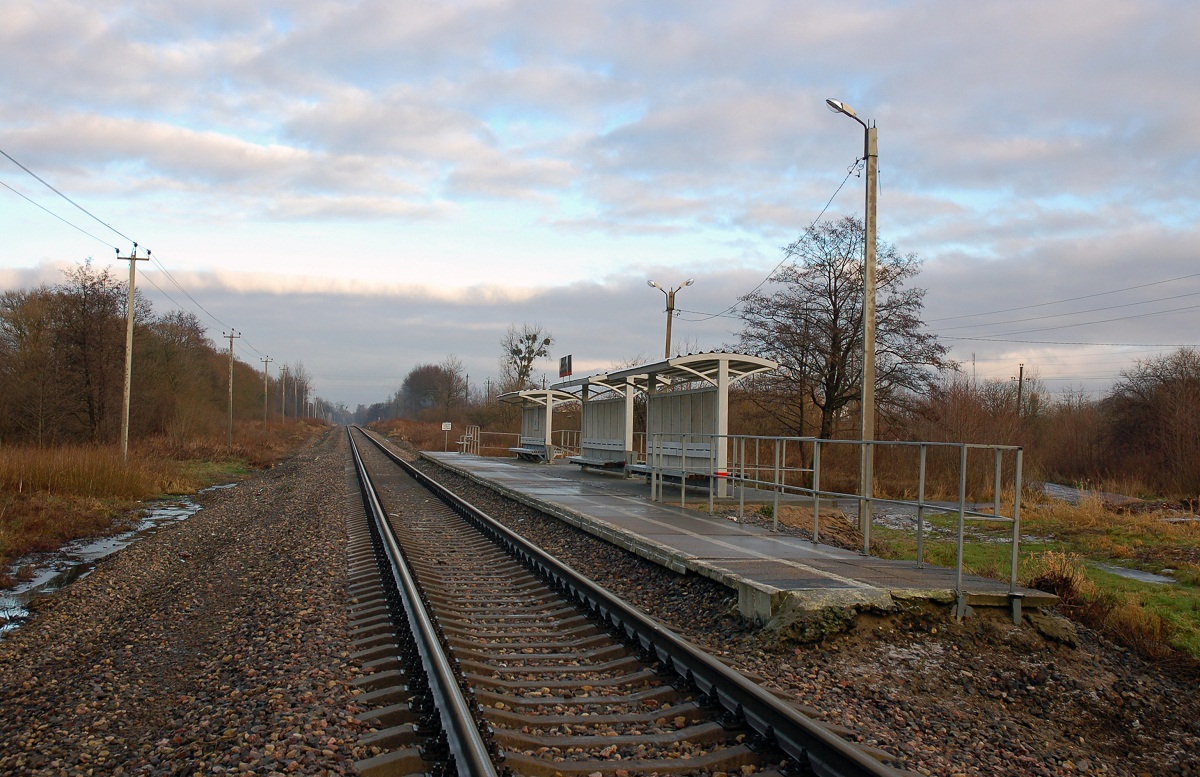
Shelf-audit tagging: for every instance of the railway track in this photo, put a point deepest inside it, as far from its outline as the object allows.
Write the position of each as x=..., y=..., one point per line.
x=490, y=657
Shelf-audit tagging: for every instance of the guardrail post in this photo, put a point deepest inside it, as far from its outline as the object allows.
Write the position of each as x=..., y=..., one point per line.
x=864, y=498
x=741, y=479
x=713, y=478
x=683, y=472
x=921, y=509
x=1016, y=537
x=816, y=485
x=775, y=507
x=960, y=609
x=652, y=460
x=996, y=482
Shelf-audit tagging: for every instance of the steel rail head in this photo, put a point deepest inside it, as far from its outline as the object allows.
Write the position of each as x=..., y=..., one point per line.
x=468, y=751
x=797, y=735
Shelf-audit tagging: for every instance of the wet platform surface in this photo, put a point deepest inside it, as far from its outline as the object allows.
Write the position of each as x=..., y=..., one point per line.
x=769, y=570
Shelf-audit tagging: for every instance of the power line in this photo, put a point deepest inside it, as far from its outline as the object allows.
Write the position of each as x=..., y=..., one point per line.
x=154, y=260
x=1080, y=312
x=55, y=215
x=851, y=170
x=1061, y=342
x=65, y=197
x=1060, y=301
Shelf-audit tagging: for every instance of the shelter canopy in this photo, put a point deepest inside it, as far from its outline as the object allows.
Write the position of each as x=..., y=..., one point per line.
x=537, y=397
x=712, y=368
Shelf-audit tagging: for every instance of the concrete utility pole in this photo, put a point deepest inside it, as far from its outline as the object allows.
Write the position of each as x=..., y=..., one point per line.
x=133, y=259
x=1020, y=386
x=283, y=392
x=266, y=360
x=871, y=153
x=232, y=336
x=670, y=294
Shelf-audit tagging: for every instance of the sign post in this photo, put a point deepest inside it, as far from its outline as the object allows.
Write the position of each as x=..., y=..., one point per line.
x=446, y=425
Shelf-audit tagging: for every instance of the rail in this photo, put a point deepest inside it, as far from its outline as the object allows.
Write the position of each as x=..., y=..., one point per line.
x=761, y=462
x=772, y=719
x=467, y=747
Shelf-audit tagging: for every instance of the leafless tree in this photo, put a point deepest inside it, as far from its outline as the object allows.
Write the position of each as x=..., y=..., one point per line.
x=1153, y=414
x=810, y=319
x=519, y=349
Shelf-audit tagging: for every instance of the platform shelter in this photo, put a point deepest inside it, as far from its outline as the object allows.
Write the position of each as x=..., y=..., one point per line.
x=606, y=423
x=537, y=420
x=687, y=410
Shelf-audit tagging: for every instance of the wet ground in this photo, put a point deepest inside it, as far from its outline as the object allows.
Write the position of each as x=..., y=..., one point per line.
x=75, y=560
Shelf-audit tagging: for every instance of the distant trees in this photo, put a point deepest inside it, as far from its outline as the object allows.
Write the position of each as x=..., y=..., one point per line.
x=811, y=322
x=519, y=349
x=431, y=387
x=62, y=360
x=1153, y=418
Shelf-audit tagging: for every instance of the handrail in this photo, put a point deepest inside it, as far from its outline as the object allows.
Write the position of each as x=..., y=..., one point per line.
x=683, y=465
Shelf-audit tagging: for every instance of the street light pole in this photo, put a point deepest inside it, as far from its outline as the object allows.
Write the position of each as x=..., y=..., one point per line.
x=670, y=294
x=871, y=152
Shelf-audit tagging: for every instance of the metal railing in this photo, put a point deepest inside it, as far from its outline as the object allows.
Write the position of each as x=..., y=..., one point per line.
x=795, y=465
x=470, y=440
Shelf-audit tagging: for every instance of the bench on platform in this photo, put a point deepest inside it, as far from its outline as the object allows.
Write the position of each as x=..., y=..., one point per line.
x=671, y=460
x=533, y=449
x=600, y=453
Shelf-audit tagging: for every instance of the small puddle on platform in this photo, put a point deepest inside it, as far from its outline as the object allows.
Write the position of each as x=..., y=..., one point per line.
x=75, y=560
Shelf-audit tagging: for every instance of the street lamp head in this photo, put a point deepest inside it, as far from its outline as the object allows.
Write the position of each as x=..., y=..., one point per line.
x=689, y=281
x=837, y=106
x=652, y=284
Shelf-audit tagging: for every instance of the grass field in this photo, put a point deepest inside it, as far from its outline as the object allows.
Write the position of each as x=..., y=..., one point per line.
x=1063, y=549
x=49, y=496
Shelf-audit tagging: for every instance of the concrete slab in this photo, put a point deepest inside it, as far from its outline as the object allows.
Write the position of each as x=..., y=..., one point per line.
x=768, y=570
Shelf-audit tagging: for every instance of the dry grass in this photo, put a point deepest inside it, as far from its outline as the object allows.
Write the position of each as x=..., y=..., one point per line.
x=422, y=435
x=49, y=496
x=53, y=495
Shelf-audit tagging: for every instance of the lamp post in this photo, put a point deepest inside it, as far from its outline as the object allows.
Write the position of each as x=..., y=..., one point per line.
x=871, y=152
x=670, y=294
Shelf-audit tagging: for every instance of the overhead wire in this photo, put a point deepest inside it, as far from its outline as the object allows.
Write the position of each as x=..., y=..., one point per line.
x=1061, y=301
x=153, y=259
x=851, y=170
x=55, y=215
x=65, y=197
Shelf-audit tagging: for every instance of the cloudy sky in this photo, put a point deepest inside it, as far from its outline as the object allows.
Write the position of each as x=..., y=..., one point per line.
x=367, y=186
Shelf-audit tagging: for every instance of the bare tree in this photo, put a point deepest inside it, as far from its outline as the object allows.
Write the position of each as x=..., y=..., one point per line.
x=1153, y=414
x=811, y=321
x=520, y=348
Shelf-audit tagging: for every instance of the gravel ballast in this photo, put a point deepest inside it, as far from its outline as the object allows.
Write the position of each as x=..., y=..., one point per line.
x=977, y=697
x=218, y=645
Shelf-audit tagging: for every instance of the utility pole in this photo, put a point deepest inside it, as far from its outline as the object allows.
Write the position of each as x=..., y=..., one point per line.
x=283, y=392
x=266, y=360
x=1020, y=386
x=133, y=259
x=232, y=336
x=670, y=295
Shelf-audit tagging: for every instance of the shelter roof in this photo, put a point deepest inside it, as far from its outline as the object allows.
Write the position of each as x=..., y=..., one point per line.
x=600, y=381
x=537, y=397
x=695, y=366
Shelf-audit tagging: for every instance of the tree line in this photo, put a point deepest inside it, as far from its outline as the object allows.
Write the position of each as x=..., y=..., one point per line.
x=1145, y=431
x=62, y=363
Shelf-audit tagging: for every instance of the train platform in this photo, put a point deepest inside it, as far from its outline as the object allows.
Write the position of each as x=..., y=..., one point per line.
x=771, y=572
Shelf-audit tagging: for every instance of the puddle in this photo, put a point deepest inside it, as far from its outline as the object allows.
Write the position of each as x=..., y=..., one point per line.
x=76, y=560
x=1136, y=574
x=1076, y=496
